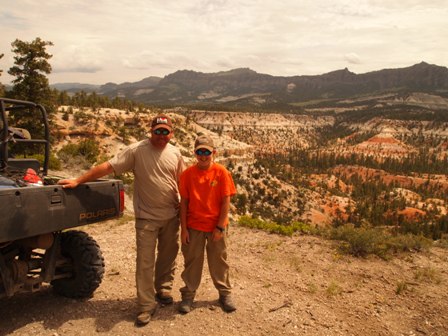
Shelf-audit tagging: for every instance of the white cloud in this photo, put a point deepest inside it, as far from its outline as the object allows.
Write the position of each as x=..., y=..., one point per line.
x=83, y=58
x=352, y=58
x=128, y=40
x=148, y=60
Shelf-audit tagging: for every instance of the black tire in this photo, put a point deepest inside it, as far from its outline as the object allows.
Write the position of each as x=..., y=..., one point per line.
x=87, y=265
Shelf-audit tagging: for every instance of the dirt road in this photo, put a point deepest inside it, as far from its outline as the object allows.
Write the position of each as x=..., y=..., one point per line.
x=282, y=286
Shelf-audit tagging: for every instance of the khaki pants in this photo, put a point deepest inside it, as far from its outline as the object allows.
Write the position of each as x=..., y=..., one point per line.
x=194, y=262
x=155, y=275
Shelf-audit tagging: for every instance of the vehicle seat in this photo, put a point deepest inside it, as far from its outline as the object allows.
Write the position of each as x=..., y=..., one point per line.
x=24, y=164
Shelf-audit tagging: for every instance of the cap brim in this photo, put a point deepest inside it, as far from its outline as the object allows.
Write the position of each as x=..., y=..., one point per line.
x=162, y=126
x=211, y=149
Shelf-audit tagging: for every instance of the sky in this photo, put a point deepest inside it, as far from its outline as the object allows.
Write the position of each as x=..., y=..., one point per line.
x=119, y=41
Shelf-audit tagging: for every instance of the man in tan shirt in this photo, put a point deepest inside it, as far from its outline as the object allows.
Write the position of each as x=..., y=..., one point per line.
x=157, y=166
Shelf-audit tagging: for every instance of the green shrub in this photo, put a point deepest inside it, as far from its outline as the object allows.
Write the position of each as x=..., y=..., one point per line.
x=87, y=148
x=287, y=230
x=333, y=289
x=408, y=242
x=442, y=243
x=428, y=274
x=402, y=286
x=53, y=163
x=361, y=242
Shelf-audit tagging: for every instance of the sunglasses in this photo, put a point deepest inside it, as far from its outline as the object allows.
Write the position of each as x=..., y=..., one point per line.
x=161, y=131
x=203, y=152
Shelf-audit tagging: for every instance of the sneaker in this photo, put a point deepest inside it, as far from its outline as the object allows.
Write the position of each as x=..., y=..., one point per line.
x=164, y=298
x=185, y=306
x=143, y=318
x=227, y=303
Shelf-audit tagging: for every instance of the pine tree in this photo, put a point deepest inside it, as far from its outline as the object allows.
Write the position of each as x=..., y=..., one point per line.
x=30, y=69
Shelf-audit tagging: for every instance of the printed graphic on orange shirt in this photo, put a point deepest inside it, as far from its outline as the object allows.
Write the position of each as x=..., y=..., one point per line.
x=214, y=183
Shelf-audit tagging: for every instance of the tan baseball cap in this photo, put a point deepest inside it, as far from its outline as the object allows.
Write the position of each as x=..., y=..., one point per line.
x=204, y=141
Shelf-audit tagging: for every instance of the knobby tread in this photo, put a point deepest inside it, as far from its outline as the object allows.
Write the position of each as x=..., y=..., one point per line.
x=87, y=265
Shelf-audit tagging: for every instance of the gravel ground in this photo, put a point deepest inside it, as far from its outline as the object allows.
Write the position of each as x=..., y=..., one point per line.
x=282, y=286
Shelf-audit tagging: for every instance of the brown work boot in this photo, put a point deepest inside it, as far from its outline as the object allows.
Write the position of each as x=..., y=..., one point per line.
x=164, y=298
x=227, y=303
x=185, y=306
x=143, y=318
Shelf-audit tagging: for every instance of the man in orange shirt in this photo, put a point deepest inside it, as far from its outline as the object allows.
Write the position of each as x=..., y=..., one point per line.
x=205, y=190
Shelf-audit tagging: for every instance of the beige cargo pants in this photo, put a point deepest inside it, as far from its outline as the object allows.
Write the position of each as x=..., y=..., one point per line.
x=155, y=275
x=193, y=253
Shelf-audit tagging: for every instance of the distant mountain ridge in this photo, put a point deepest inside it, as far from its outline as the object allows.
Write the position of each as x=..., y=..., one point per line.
x=245, y=87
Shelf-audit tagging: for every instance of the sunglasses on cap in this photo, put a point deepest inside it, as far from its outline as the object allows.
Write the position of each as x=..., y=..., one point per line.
x=203, y=152
x=161, y=131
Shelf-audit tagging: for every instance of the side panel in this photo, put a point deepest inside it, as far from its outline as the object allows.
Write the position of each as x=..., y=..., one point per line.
x=31, y=211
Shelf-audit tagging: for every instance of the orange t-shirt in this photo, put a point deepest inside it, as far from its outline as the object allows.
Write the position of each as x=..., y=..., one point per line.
x=205, y=190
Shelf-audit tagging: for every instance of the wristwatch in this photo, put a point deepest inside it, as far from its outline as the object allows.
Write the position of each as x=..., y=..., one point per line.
x=220, y=228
